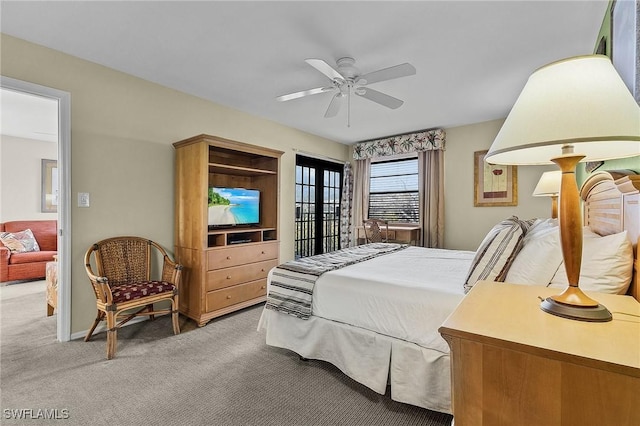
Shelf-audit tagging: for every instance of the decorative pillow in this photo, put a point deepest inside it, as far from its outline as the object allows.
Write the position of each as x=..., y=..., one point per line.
x=539, y=258
x=496, y=252
x=607, y=265
x=20, y=242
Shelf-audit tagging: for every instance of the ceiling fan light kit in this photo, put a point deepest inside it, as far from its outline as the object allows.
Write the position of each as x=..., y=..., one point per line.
x=346, y=79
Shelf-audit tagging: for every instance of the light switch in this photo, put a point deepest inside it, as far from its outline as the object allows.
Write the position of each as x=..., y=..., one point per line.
x=83, y=199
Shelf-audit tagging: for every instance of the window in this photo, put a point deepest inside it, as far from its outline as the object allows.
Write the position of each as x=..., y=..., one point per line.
x=393, y=191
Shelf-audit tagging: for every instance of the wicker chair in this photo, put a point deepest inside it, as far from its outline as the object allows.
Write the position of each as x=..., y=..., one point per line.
x=122, y=283
x=373, y=230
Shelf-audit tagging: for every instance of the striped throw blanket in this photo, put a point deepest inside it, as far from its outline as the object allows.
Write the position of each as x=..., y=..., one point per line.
x=291, y=287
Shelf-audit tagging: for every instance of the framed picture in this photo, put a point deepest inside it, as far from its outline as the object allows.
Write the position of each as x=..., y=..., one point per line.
x=49, y=202
x=625, y=40
x=494, y=185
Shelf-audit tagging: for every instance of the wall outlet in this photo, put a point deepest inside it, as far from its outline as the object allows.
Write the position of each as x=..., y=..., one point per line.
x=83, y=199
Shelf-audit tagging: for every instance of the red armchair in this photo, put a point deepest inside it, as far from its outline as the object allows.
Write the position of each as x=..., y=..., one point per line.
x=30, y=265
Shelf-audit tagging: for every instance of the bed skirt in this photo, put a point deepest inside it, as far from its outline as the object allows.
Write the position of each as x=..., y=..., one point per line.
x=417, y=375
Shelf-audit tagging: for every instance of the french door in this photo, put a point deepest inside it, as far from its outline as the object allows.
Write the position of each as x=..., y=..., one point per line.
x=318, y=188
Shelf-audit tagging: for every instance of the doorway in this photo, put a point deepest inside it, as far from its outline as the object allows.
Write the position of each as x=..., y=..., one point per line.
x=318, y=189
x=63, y=100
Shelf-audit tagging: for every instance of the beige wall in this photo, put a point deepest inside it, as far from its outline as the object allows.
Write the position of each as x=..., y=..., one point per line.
x=20, y=177
x=466, y=225
x=122, y=129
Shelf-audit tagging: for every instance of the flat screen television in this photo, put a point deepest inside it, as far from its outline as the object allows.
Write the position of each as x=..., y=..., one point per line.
x=233, y=206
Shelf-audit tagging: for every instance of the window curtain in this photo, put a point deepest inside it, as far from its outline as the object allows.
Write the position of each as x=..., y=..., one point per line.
x=360, y=205
x=431, y=197
x=430, y=146
x=346, y=208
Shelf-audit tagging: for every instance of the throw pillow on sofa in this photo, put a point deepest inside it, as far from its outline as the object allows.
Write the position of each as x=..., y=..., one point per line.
x=20, y=242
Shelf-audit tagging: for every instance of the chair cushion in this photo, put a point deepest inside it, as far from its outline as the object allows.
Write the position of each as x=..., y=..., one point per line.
x=133, y=291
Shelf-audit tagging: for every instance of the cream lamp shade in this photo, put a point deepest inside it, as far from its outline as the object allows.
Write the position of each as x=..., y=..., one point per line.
x=580, y=101
x=576, y=109
x=549, y=186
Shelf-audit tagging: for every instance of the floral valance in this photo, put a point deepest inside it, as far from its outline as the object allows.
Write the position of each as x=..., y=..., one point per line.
x=426, y=140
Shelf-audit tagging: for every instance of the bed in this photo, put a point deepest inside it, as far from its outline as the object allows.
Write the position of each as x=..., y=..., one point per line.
x=377, y=319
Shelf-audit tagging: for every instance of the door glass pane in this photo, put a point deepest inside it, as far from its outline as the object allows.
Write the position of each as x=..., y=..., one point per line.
x=305, y=212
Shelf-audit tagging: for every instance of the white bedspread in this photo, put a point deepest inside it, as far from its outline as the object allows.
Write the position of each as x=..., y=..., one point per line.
x=378, y=321
x=406, y=295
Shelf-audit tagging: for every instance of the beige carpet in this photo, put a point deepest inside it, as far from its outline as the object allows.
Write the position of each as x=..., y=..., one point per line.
x=220, y=374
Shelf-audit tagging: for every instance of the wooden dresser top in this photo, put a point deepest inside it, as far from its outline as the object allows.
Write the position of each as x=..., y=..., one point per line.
x=509, y=315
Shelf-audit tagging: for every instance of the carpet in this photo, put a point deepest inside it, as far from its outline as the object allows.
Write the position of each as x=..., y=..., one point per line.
x=220, y=374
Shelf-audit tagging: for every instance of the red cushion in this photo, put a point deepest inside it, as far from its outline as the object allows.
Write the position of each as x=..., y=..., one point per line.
x=31, y=257
x=126, y=292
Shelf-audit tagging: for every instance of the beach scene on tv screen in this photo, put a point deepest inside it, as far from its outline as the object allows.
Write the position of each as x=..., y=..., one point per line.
x=233, y=206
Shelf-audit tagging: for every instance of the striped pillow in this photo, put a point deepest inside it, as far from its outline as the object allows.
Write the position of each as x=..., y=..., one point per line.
x=497, y=251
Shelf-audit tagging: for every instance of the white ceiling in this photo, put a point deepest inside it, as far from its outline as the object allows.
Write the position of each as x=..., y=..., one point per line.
x=28, y=116
x=472, y=57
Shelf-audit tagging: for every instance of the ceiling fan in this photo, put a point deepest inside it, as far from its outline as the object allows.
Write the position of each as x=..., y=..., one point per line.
x=346, y=79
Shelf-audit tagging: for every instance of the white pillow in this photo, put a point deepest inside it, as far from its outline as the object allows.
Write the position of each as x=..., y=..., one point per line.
x=607, y=265
x=588, y=233
x=540, y=227
x=496, y=252
x=539, y=258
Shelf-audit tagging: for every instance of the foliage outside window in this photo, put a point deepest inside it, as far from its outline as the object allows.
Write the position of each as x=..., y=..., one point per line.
x=393, y=191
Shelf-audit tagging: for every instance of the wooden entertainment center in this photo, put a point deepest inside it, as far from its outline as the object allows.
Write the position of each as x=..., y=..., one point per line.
x=225, y=267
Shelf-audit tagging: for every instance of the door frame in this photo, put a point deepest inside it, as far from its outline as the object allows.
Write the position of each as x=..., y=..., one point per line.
x=63, y=320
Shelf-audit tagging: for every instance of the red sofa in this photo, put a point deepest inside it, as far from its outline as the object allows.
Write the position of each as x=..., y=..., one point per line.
x=31, y=265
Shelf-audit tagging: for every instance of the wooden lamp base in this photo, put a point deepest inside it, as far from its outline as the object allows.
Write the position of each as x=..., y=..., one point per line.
x=591, y=313
x=572, y=303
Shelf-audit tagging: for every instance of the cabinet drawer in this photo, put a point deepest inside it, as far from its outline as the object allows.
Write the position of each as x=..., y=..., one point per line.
x=241, y=254
x=219, y=299
x=227, y=277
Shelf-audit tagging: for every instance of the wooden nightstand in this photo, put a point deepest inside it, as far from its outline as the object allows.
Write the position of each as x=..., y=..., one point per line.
x=513, y=364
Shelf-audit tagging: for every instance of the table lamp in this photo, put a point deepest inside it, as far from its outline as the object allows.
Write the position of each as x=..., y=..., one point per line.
x=549, y=186
x=576, y=109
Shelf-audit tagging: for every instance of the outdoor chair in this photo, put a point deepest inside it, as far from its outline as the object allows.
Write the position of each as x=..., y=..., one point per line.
x=373, y=230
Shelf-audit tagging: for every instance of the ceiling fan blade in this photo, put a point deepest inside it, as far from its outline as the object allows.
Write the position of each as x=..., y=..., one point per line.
x=402, y=70
x=302, y=93
x=379, y=97
x=325, y=69
x=334, y=106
